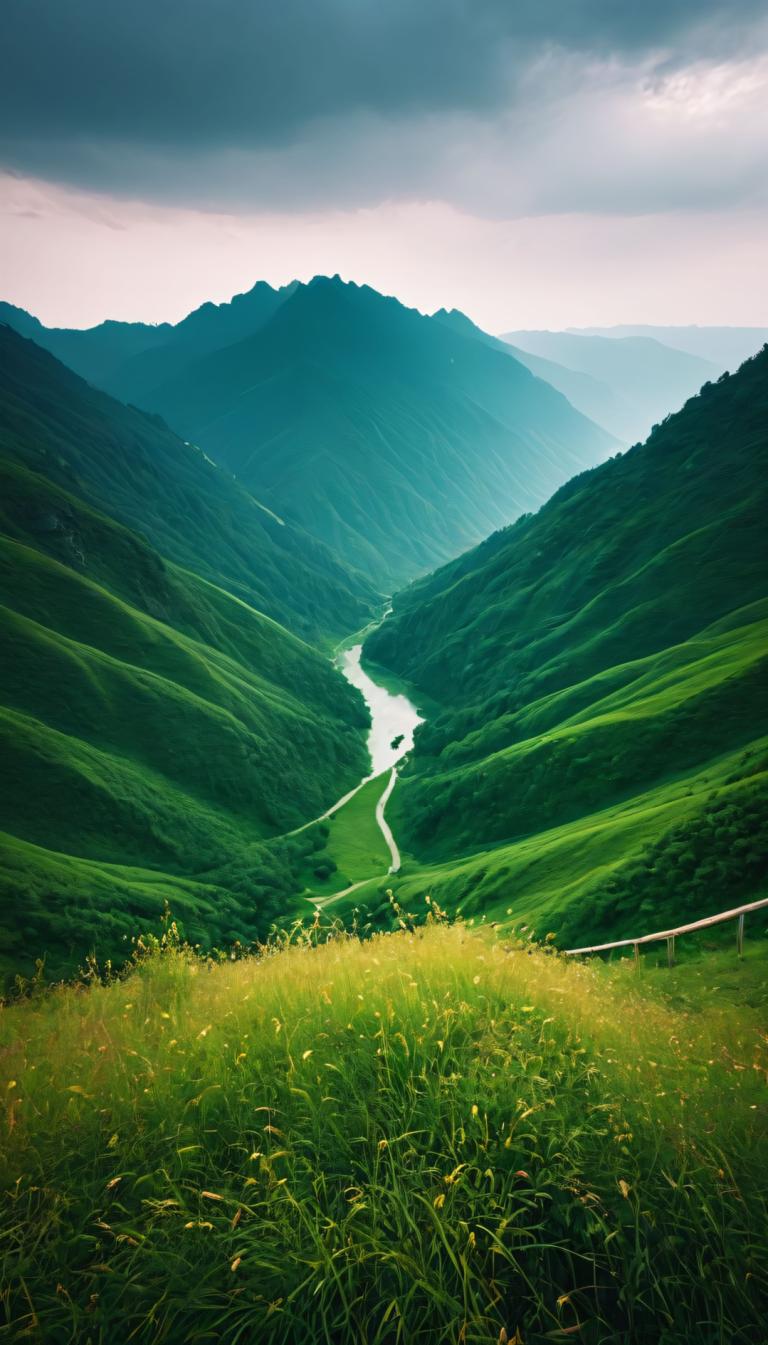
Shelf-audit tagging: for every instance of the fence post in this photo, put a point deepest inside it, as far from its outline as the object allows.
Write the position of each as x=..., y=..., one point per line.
x=637, y=955
x=671, y=951
x=740, y=937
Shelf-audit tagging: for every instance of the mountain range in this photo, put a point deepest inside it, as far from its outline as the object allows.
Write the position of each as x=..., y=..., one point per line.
x=626, y=383
x=384, y=434
x=726, y=347
x=593, y=749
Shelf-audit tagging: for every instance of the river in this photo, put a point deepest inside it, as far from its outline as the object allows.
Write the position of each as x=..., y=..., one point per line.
x=394, y=720
x=392, y=716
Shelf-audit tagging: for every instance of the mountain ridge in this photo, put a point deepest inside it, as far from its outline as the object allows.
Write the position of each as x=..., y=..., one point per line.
x=610, y=648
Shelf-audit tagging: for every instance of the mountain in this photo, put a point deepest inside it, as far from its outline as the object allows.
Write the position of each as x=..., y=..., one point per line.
x=208, y=328
x=129, y=358
x=589, y=395
x=95, y=352
x=392, y=438
x=725, y=347
x=634, y=381
x=156, y=729
x=595, y=751
x=133, y=467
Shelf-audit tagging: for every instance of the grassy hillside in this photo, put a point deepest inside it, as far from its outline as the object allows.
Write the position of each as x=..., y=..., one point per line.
x=592, y=663
x=439, y=1137
x=135, y=469
x=150, y=721
x=348, y=848
x=391, y=437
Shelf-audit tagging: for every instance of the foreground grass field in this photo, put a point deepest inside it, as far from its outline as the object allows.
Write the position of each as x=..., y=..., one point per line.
x=431, y=1136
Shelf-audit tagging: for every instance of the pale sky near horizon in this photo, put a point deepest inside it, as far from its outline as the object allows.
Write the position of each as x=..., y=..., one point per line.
x=568, y=163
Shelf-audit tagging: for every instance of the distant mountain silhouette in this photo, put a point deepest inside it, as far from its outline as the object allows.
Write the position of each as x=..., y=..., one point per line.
x=634, y=382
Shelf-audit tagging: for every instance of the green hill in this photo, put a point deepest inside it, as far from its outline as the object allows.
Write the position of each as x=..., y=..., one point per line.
x=600, y=672
x=392, y=438
x=134, y=468
x=156, y=729
x=435, y=1138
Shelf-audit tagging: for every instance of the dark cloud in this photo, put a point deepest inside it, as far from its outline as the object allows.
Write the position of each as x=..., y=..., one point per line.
x=218, y=100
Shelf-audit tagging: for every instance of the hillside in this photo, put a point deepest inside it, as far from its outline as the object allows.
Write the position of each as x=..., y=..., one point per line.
x=600, y=671
x=393, y=439
x=627, y=384
x=134, y=468
x=153, y=727
x=437, y=1138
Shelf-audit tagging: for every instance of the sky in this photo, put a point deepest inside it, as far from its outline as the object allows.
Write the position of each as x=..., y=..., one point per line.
x=536, y=163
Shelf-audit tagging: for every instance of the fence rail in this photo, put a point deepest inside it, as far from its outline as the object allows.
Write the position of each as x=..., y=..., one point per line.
x=738, y=912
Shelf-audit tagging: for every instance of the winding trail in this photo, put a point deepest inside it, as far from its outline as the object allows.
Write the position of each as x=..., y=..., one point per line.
x=386, y=829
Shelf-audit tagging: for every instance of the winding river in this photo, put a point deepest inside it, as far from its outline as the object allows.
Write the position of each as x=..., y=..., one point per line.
x=393, y=723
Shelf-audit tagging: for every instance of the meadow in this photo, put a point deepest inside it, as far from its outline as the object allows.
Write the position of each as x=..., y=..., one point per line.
x=441, y=1133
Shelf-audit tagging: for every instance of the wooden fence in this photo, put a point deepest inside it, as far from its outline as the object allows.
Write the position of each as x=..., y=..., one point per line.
x=670, y=935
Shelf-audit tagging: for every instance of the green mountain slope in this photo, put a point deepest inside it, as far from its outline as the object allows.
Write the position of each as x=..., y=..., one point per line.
x=156, y=729
x=596, y=664
x=133, y=467
x=169, y=745
x=394, y=439
x=626, y=384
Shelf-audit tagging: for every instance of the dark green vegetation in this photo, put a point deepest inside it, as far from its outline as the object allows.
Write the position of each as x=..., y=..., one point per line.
x=155, y=727
x=626, y=384
x=392, y=438
x=599, y=762
x=422, y=1137
x=134, y=468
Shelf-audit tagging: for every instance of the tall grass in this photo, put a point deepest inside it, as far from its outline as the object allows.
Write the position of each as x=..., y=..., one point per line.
x=434, y=1135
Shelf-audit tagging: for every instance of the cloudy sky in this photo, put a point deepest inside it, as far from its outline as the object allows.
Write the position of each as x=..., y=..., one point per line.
x=538, y=163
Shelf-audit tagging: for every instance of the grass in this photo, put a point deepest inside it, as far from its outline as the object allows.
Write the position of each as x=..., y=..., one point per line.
x=631, y=868
x=353, y=847
x=429, y=1136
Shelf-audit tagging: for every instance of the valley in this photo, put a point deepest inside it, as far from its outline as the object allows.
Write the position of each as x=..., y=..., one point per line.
x=590, y=738
x=383, y=673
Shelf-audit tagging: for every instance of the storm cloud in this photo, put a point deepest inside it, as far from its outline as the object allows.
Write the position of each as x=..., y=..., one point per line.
x=494, y=106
